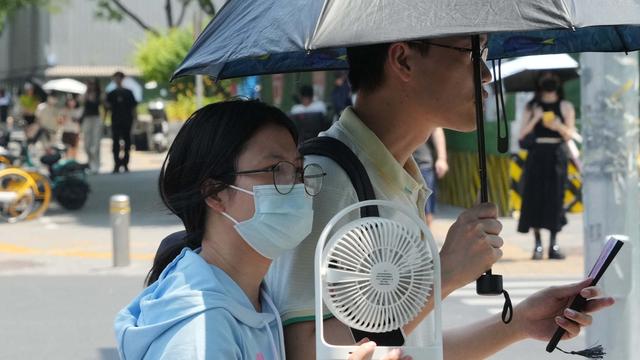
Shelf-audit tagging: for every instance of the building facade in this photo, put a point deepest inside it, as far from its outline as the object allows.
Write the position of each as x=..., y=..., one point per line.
x=72, y=42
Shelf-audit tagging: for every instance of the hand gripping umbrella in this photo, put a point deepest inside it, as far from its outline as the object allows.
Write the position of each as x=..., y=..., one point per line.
x=277, y=36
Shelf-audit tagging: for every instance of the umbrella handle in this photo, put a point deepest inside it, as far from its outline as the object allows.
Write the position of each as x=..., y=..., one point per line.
x=487, y=284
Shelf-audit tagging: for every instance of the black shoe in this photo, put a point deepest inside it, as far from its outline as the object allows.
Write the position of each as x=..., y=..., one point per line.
x=556, y=254
x=126, y=168
x=537, y=253
x=116, y=169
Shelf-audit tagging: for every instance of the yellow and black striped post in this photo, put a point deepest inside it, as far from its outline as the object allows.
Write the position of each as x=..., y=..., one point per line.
x=572, y=193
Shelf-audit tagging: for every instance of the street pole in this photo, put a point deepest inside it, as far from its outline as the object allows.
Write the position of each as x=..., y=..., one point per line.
x=120, y=210
x=609, y=85
x=197, y=29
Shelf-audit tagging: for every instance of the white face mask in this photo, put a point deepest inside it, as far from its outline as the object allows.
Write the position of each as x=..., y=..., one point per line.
x=280, y=222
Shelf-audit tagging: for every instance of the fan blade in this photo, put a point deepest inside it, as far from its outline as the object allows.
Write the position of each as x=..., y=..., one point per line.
x=336, y=276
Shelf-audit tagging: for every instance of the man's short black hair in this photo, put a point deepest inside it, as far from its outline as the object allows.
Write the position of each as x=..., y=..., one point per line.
x=118, y=74
x=366, y=64
x=306, y=91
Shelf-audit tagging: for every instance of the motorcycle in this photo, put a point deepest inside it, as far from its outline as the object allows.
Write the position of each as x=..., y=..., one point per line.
x=68, y=179
x=159, y=126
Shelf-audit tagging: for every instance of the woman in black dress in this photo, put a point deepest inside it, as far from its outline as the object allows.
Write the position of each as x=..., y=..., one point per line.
x=549, y=123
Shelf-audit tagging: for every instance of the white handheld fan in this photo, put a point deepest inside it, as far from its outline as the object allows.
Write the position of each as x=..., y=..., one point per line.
x=376, y=274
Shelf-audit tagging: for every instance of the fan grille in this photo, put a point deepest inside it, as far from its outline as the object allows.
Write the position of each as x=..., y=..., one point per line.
x=378, y=274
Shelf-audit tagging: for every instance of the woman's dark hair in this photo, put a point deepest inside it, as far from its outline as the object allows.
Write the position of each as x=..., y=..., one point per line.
x=537, y=97
x=201, y=162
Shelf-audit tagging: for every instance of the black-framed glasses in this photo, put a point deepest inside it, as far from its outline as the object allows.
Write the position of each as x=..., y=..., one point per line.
x=484, y=51
x=286, y=175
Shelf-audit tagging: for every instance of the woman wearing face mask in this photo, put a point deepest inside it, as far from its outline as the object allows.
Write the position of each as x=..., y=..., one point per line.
x=234, y=177
x=549, y=124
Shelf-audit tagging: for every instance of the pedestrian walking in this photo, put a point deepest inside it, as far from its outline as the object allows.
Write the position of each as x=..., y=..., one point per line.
x=92, y=124
x=5, y=104
x=340, y=95
x=28, y=102
x=432, y=168
x=549, y=124
x=46, y=127
x=122, y=105
x=71, y=114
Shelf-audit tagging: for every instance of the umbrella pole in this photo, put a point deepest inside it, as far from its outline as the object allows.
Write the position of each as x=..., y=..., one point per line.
x=487, y=284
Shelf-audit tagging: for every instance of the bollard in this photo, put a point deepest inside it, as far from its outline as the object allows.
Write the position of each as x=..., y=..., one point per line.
x=120, y=211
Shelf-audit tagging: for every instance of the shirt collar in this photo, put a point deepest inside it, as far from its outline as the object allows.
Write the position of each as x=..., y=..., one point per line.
x=407, y=178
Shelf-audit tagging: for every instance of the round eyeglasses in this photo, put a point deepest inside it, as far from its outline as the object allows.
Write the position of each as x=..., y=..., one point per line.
x=484, y=51
x=286, y=175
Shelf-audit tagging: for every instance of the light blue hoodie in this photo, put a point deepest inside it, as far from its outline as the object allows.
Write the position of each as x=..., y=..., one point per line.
x=196, y=311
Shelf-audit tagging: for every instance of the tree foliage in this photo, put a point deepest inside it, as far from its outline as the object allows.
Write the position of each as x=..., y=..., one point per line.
x=9, y=7
x=115, y=10
x=159, y=55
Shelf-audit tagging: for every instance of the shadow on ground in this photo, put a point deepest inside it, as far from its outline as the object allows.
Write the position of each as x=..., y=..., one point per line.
x=147, y=208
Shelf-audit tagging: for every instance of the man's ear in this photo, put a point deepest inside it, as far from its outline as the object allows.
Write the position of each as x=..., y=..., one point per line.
x=398, y=61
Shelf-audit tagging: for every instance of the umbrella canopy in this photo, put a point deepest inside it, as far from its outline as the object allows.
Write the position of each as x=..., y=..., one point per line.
x=521, y=74
x=127, y=83
x=65, y=85
x=276, y=36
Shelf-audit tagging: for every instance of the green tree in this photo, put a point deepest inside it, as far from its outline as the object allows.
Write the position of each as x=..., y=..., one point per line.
x=9, y=7
x=115, y=10
x=162, y=50
x=159, y=55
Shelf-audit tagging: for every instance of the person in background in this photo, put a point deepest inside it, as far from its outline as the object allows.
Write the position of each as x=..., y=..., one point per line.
x=231, y=164
x=340, y=95
x=70, y=119
x=48, y=122
x=28, y=102
x=307, y=103
x=432, y=170
x=122, y=105
x=5, y=103
x=549, y=124
x=309, y=116
x=92, y=124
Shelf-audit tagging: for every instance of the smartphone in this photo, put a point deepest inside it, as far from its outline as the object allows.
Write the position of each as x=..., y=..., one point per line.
x=548, y=117
x=608, y=253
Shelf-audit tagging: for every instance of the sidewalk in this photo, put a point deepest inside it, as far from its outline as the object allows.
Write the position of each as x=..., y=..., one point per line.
x=90, y=240
x=518, y=247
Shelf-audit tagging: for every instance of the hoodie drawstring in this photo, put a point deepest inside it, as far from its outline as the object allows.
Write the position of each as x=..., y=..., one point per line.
x=280, y=354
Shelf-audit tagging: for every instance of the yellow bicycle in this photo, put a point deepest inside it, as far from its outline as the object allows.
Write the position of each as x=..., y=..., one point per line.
x=18, y=192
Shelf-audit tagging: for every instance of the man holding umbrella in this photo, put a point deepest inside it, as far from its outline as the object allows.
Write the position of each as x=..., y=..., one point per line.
x=404, y=91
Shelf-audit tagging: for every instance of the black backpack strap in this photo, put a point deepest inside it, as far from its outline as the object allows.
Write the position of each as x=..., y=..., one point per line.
x=337, y=151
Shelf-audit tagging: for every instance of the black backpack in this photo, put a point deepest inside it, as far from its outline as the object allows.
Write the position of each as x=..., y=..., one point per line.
x=337, y=151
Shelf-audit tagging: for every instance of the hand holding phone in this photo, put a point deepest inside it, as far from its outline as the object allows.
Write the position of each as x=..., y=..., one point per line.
x=609, y=252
